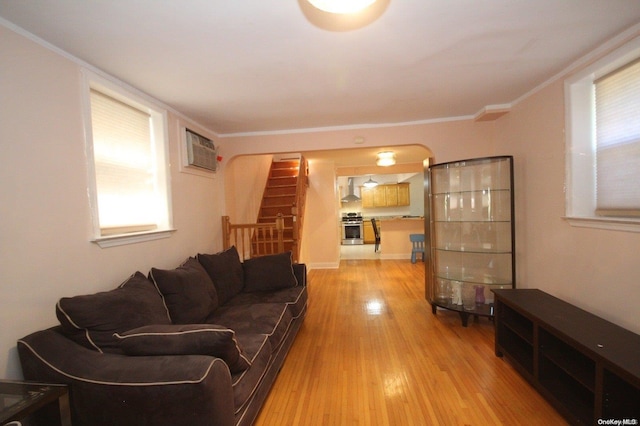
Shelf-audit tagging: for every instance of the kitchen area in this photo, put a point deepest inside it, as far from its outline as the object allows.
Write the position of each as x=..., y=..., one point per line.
x=395, y=201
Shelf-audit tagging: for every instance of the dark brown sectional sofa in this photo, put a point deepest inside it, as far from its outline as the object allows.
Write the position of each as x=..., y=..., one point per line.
x=197, y=345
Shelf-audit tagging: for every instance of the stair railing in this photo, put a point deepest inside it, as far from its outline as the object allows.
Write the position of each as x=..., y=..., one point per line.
x=269, y=237
x=297, y=210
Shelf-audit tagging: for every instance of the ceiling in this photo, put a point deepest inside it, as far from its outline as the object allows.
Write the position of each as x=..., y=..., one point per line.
x=239, y=66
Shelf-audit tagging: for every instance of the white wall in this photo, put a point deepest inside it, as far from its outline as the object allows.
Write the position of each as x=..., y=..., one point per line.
x=320, y=246
x=594, y=269
x=245, y=180
x=45, y=223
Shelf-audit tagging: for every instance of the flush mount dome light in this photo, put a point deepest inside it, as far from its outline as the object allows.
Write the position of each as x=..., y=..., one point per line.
x=341, y=6
x=342, y=15
x=386, y=158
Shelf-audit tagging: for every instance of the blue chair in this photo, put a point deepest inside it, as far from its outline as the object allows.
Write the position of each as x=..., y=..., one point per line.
x=417, y=246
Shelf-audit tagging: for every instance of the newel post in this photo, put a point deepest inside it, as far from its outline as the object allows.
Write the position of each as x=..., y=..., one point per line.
x=280, y=230
x=226, y=232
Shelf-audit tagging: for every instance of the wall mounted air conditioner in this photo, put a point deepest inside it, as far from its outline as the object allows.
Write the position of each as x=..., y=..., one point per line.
x=201, y=152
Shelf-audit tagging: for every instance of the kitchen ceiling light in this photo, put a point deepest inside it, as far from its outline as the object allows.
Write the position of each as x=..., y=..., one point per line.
x=370, y=183
x=386, y=158
x=341, y=6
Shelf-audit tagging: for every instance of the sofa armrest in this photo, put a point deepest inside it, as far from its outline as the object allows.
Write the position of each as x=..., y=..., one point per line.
x=300, y=271
x=107, y=389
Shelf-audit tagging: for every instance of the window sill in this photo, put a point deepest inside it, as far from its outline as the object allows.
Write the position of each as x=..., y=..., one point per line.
x=120, y=240
x=627, y=225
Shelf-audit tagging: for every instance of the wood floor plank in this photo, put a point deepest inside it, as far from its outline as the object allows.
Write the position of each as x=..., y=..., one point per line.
x=370, y=352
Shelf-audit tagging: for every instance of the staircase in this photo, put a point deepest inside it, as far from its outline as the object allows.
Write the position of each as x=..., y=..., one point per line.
x=285, y=194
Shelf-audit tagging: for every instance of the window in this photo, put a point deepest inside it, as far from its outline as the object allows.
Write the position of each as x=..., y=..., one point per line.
x=603, y=142
x=617, y=119
x=127, y=165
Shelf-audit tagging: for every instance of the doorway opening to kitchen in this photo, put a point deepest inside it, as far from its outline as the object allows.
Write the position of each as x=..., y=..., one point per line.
x=393, y=195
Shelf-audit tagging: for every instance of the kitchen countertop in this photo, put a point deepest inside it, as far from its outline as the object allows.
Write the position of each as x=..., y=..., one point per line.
x=394, y=234
x=388, y=218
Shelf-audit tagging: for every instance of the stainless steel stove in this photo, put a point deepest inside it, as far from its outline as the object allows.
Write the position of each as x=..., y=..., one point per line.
x=352, y=228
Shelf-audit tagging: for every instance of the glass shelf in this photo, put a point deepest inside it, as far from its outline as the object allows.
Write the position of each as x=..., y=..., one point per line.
x=476, y=191
x=485, y=251
x=478, y=281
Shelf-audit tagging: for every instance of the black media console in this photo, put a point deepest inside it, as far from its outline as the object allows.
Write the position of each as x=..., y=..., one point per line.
x=587, y=367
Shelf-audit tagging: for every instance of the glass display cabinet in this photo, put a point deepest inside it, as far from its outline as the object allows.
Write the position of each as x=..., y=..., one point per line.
x=471, y=238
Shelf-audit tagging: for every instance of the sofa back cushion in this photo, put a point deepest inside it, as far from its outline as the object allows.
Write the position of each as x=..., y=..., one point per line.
x=225, y=270
x=91, y=320
x=189, y=339
x=269, y=273
x=187, y=292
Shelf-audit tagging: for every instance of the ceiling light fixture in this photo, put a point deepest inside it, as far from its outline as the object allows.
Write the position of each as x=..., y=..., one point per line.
x=341, y=6
x=370, y=183
x=342, y=15
x=386, y=158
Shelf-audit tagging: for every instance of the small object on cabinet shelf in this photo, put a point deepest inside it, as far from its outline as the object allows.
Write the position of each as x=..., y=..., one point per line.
x=479, y=294
x=468, y=297
x=456, y=293
x=443, y=290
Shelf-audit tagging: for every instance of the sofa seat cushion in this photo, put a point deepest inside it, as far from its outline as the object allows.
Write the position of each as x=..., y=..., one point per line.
x=272, y=319
x=245, y=383
x=187, y=292
x=269, y=273
x=225, y=270
x=294, y=297
x=192, y=339
x=91, y=320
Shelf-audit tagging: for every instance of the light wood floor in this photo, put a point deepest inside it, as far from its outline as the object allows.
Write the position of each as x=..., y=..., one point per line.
x=370, y=352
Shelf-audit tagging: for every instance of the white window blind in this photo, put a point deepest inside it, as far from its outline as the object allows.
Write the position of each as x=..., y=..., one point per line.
x=125, y=167
x=617, y=105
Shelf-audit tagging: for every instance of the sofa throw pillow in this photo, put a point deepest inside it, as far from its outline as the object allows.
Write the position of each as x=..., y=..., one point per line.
x=225, y=270
x=187, y=292
x=190, y=339
x=268, y=273
x=91, y=320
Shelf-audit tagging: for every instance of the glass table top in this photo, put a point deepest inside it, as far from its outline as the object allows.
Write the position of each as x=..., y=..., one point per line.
x=16, y=396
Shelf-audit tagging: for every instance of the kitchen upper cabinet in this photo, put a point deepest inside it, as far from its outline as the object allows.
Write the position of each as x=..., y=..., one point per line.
x=379, y=196
x=366, y=196
x=391, y=195
x=387, y=195
x=403, y=194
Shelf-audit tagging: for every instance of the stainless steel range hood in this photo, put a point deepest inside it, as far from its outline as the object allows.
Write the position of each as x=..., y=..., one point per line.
x=351, y=196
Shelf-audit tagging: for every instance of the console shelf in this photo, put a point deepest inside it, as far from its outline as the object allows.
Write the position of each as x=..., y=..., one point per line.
x=588, y=368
